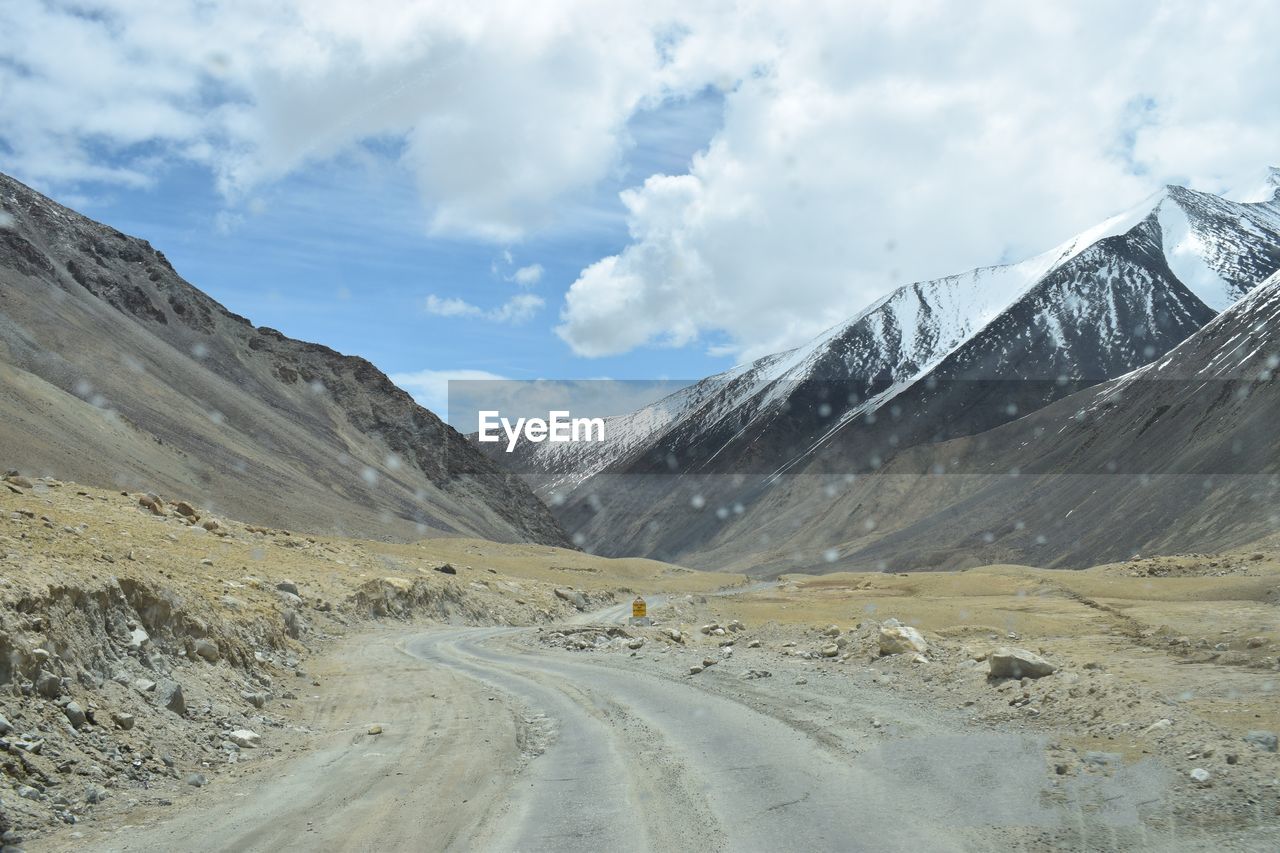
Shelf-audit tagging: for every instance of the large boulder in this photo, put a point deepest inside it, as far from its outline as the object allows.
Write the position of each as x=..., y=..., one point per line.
x=901, y=639
x=1006, y=662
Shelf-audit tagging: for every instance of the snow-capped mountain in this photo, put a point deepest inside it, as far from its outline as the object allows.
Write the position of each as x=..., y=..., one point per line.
x=1176, y=456
x=931, y=361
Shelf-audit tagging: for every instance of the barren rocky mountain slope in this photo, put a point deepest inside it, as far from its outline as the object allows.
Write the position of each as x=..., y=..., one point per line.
x=116, y=371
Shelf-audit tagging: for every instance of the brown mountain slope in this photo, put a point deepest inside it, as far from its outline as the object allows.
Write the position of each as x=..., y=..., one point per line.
x=116, y=371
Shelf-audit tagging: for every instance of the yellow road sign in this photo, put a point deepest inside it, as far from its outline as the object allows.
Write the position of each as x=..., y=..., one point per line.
x=638, y=608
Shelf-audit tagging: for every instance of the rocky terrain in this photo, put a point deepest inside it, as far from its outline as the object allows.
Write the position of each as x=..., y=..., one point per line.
x=149, y=648
x=115, y=371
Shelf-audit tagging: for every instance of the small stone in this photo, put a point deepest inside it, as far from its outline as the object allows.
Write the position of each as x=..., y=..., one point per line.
x=636, y=643
x=186, y=510
x=95, y=794
x=446, y=569
x=288, y=586
x=257, y=700
x=375, y=729
x=5, y=725
x=753, y=644
x=196, y=780
x=695, y=669
x=830, y=650
x=122, y=720
x=1200, y=776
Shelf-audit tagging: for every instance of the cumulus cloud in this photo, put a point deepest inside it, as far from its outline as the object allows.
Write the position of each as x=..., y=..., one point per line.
x=888, y=143
x=863, y=145
x=518, y=309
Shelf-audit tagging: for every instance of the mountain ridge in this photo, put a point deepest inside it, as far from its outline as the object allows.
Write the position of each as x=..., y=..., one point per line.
x=202, y=403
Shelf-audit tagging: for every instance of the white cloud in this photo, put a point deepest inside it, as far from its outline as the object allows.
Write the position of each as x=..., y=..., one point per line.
x=888, y=143
x=518, y=309
x=528, y=276
x=430, y=388
x=864, y=144
x=451, y=307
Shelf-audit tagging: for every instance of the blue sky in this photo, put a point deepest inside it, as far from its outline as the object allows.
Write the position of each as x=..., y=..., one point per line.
x=340, y=254
x=699, y=184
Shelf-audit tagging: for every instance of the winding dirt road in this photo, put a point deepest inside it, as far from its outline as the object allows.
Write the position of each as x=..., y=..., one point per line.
x=492, y=743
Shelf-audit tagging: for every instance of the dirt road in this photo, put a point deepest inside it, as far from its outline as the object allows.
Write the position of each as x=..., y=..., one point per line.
x=490, y=743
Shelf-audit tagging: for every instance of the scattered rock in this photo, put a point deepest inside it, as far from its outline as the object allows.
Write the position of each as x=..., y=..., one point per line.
x=898, y=639
x=138, y=637
x=196, y=780
x=5, y=725
x=1263, y=739
x=1007, y=662
x=754, y=644
x=636, y=643
x=1200, y=776
x=695, y=669
x=169, y=694
x=245, y=738
x=257, y=700
x=572, y=596
x=289, y=587
x=75, y=714
x=375, y=729
x=152, y=503
x=446, y=569
x=144, y=686
x=831, y=631
x=830, y=650
x=48, y=685
x=122, y=720
x=208, y=650
x=95, y=794
x=186, y=510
